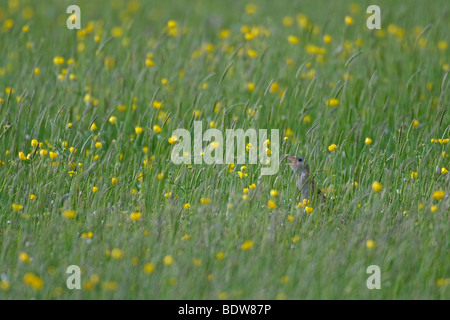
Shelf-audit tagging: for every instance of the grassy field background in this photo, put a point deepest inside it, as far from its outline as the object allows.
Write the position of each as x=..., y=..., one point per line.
x=86, y=135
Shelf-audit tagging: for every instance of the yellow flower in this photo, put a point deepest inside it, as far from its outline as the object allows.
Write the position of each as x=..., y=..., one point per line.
x=220, y=255
x=377, y=187
x=434, y=208
x=205, y=200
x=251, y=86
x=415, y=123
x=274, y=193
x=309, y=210
x=444, y=170
x=98, y=144
x=159, y=176
x=332, y=147
x=370, y=244
x=117, y=254
x=93, y=127
x=58, y=60
x=414, y=175
x=43, y=152
x=16, y=207
x=138, y=130
x=22, y=156
x=117, y=32
x=135, y=216
x=438, y=194
x=332, y=102
x=24, y=257
x=33, y=281
x=307, y=118
x=173, y=139
x=293, y=39
x=274, y=87
x=349, y=20
x=252, y=186
x=69, y=214
x=247, y=245
x=5, y=284
x=149, y=268
x=112, y=119
x=114, y=180
x=187, y=205
x=368, y=141
x=327, y=39
x=271, y=204
x=168, y=260
x=157, y=129
x=157, y=104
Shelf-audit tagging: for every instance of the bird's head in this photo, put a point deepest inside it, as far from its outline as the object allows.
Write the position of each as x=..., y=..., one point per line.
x=298, y=164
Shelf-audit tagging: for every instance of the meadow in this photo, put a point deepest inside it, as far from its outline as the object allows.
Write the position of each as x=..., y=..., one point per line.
x=86, y=123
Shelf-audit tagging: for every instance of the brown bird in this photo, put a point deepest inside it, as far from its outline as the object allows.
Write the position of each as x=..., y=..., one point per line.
x=305, y=183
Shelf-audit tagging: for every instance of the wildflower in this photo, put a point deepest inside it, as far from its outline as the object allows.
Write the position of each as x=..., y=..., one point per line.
x=157, y=104
x=252, y=186
x=69, y=214
x=138, y=130
x=438, y=194
x=273, y=193
x=293, y=39
x=33, y=281
x=415, y=123
x=252, y=53
x=149, y=268
x=114, y=180
x=377, y=187
x=112, y=119
x=135, y=216
x=349, y=20
x=32, y=197
x=247, y=245
x=58, y=60
x=332, y=102
x=159, y=176
x=93, y=127
x=309, y=210
x=22, y=156
x=94, y=189
x=117, y=254
x=271, y=204
x=332, y=147
x=24, y=257
x=370, y=244
x=274, y=87
x=224, y=33
x=251, y=86
x=444, y=170
x=117, y=32
x=414, y=175
x=368, y=141
x=187, y=205
x=220, y=255
x=205, y=200
x=98, y=144
x=307, y=118
x=173, y=139
x=16, y=207
x=327, y=39
x=157, y=129
x=434, y=208
x=168, y=260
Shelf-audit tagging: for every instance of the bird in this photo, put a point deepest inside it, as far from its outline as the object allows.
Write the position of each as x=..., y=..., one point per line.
x=304, y=182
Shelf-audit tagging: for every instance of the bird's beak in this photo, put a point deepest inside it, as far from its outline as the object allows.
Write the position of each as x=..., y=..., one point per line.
x=294, y=161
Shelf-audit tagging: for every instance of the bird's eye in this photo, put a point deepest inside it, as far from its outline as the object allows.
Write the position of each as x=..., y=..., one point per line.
x=300, y=159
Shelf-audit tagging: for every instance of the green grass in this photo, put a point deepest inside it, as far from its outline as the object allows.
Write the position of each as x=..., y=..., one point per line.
x=383, y=81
